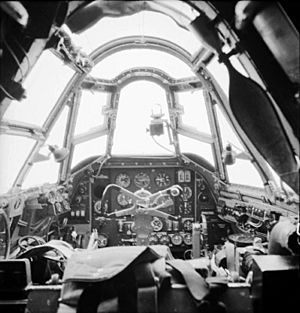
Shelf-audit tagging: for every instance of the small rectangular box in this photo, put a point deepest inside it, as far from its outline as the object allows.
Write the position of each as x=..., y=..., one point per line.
x=275, y=286
x=43, y=298
x=15, y=277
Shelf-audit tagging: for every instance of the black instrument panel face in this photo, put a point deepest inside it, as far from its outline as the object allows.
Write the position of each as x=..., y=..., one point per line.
x=176, y=233
x=133, y=179
x=195, y=201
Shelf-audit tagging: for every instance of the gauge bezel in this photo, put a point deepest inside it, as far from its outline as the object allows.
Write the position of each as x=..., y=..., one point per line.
x=121, y=183
x=155, y=241
x=187, y=192
x=124, y=198
x=139, y=176
x=166, y=236
x=176, y=243
x=188, y=242
x=165, y=176
x=154, y=226
x=97, y=207
x=189, y=227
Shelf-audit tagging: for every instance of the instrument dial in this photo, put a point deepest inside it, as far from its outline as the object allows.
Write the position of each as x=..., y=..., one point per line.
x=97, y=207
x=153, y=240
x=123, y=199
x=164, y=199
x=157, y=224
x=164, y=240
x=123, y=180
x=162, y=179
x=82, y=189
x=102, y=240
x=142, y=180
x=203, y=197
x=177, y=239
x=188, y=225
x=78, y=199
x=186, y=193
x=186, y=208
x=187, y=239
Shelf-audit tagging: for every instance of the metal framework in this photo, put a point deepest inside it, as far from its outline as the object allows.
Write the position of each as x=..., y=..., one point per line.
x=202, y=80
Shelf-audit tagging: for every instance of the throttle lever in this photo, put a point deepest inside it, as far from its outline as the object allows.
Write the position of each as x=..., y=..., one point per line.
x=173, y=190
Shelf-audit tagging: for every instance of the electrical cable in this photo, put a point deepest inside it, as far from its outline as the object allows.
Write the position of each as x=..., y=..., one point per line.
x=101, y=160
x=172, y=152
x=25, y=54
x=7, y=93
x=186, y=159
x=101, y=164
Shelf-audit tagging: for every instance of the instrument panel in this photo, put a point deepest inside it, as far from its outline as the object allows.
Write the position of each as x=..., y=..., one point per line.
x=152, y=180
x=147, y=176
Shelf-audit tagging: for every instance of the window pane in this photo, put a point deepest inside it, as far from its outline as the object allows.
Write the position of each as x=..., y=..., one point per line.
x=14, y=150
x=137, y=100
x=227, y=133
x=243, y=171
x=56, y=136
x=44, y=85
x=89, y=148
x=141, y=24
x=220, y=73
x=190, y=145
x=47, y=171
x=195, y=113
x=90, y=111
x=118, y=62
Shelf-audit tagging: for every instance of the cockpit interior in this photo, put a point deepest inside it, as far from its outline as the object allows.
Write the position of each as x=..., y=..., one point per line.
x=138, y=133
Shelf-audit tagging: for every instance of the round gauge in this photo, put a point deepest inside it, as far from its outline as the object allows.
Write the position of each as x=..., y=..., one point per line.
x=188, y=225
x=187, y=209
x=187, y=239
x=123, y=199
x=162, y=179
x=164, y=240
x=97, y=207
x=143, y=193
x=123, y=180
x=157, y=224
x=82, y=189
x=153, y=240
x=202, y=197
x=202, y=187
x=186, y=193
x=142, y=180
x=177, y=239
x=78, y=199
x=102, y=240
x=164, y=199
